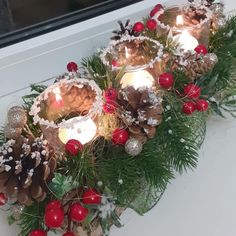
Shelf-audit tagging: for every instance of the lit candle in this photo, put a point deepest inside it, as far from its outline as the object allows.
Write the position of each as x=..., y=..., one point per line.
x=84, y=130
x=186, y=40
x=137, y=79
x=179, y=20
x=57, y=99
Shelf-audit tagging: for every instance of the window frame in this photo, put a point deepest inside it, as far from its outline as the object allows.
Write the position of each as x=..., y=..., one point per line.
x=59, y=22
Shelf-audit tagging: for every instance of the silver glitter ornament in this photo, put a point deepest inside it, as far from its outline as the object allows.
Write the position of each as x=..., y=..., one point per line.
x=133, y=147
x=17, y=117
x=212, y=57
x=12, y=133
x=17, y=211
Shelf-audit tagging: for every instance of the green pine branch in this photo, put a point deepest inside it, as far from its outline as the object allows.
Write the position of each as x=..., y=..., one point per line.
x=32, y=218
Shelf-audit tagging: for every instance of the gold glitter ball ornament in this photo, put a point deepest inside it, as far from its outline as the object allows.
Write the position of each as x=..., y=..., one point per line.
x=17, y=117
x=12, y=133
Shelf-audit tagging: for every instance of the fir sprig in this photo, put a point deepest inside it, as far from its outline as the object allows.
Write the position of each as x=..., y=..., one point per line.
x=32, y=218
x=221, y=82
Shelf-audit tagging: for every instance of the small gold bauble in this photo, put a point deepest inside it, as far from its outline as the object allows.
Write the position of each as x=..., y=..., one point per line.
x=12, y=133
x=17, y=117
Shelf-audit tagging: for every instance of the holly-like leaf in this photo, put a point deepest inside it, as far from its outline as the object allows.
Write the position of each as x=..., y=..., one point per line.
x=61, y=184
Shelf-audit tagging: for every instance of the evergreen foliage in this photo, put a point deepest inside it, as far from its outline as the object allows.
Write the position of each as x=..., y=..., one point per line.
x=221, y=82
x=32, y=218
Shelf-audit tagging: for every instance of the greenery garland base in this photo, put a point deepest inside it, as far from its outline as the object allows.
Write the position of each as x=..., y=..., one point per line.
x=143, y=136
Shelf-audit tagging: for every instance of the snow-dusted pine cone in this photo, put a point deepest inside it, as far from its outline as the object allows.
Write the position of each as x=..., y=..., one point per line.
x=26, y=166
x=195, y=65
x=141, y=111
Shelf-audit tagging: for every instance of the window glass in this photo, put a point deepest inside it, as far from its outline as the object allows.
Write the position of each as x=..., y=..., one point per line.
x=22, y=19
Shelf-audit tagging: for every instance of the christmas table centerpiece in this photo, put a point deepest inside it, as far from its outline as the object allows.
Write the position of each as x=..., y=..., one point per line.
x=112, y=135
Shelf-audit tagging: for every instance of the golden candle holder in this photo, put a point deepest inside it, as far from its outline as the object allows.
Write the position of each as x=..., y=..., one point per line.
x=195, y=19
x=68, y=110
x=140, y=57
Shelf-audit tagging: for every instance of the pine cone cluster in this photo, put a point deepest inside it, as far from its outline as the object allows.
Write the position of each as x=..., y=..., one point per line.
x=195, y=65
x=125, y=29
x=26, y=165
x=141, y=111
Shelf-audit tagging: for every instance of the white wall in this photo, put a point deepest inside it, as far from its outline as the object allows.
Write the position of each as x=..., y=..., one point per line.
x=197, y=203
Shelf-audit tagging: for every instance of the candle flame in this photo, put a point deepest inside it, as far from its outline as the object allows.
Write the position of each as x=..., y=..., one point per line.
x=58, y=102
x=57, y=93
x=126, y=53
x=179, y=20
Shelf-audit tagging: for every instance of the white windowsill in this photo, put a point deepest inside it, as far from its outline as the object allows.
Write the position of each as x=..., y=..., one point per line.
x=201, y=202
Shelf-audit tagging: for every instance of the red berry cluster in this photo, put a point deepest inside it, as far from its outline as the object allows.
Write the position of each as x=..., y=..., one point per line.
x=110, y=95
x=54, y=212
x=193, y=92
x=151, y=23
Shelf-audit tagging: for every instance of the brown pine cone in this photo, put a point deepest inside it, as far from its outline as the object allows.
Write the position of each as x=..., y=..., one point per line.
x=25, y=168
x=141, y=111
x=195, y=65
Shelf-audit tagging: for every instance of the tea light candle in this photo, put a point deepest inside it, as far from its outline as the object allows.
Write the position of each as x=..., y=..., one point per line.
x=137, y=79
x=84, y=130
x=186, y=40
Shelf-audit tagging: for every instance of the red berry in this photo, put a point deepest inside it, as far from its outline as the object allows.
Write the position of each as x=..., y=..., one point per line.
x=120, y=136
x=109, y=107
x=91, y=196
x=166, y=80
x=115, y=63
x=72, y=67
x=69, y=234
x=3, y=199
x=156, y=9
x=53, y=205
x=151, y=24
x=202, y=105
x=138, y=27
x=38, y=232
x=73, y=147
x=54, y=218
x=188, y=108
x=192, y=91
x=201, y=49
x=110, y=94
x=77, y=212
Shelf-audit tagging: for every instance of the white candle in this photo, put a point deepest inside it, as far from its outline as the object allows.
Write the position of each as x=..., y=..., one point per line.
x=137, y=79
x=84, y=130
x=186, y=40
x=179, y=20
